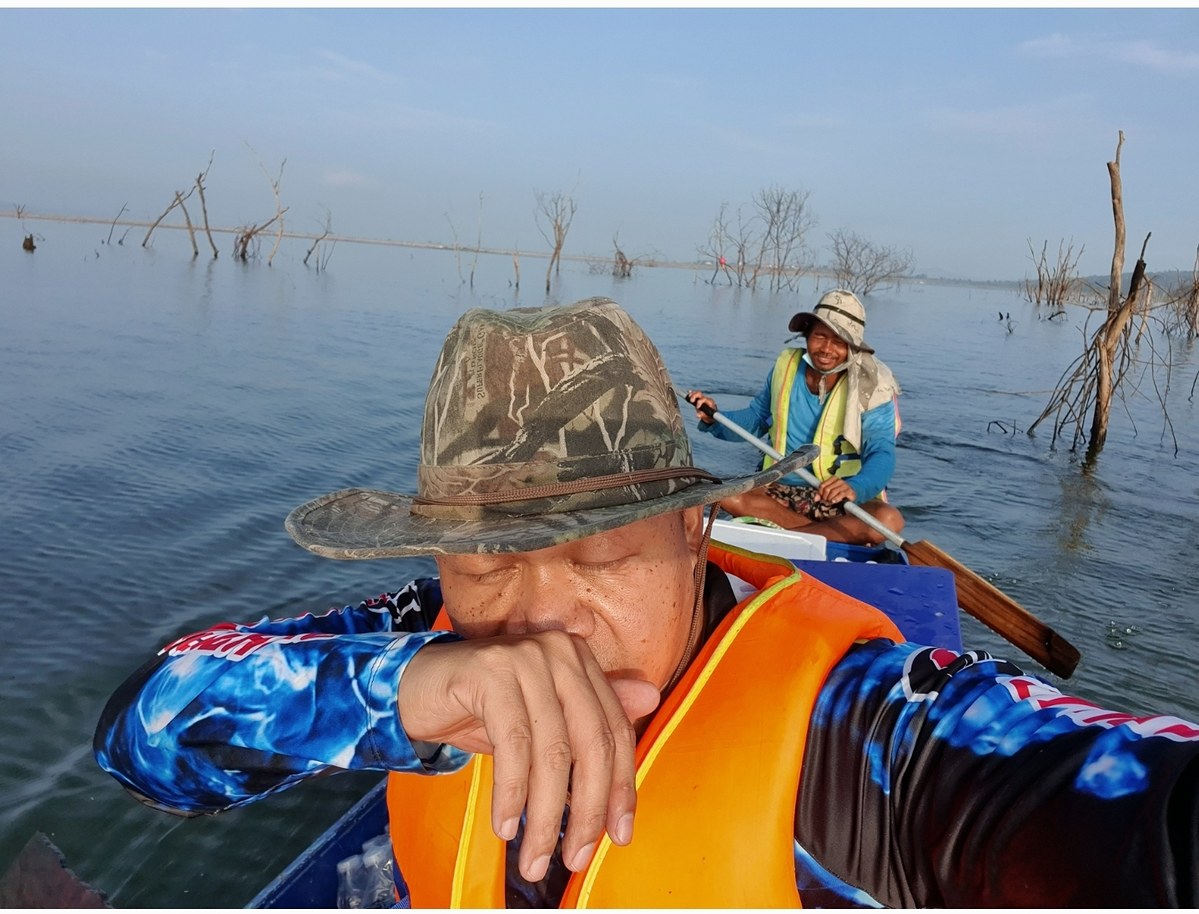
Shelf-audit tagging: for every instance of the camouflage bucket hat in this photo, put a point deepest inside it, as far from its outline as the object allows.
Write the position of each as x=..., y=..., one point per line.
x=541, y=426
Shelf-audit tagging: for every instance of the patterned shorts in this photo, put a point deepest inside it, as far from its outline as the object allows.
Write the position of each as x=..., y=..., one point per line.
x=802, y=500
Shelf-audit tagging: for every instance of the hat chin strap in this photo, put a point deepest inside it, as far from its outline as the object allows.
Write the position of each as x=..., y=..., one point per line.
x=821, y=372
x=697, y=606
x=824, y=375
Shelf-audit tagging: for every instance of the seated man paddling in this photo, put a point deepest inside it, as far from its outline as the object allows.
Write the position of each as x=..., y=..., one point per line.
x=835, y=392
x=606, y=725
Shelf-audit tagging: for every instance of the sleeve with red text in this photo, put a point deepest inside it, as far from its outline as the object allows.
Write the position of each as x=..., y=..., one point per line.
x=225, y=716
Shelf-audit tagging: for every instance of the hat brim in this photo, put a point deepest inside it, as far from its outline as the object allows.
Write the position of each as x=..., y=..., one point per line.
x=802, y=323
x=371, y=524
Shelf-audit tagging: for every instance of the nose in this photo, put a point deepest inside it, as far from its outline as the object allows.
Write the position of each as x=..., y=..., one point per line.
x=550, y=598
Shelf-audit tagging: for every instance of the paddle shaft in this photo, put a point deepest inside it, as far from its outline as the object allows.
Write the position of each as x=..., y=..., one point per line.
x=979, y=597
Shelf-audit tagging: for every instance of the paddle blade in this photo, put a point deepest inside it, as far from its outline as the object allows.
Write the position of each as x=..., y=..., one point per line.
x=1001, y=613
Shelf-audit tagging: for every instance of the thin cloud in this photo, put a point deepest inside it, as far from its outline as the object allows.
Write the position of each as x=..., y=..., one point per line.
x=1016, y=121
x=1140, y=53
x=780, y=139
x=341, y=67
x=346, y=179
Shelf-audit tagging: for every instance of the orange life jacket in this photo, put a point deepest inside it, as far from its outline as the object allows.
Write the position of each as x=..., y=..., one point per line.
x=717, y=768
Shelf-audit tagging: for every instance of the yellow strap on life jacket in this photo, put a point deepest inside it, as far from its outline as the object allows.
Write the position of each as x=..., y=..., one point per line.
x=781, y=380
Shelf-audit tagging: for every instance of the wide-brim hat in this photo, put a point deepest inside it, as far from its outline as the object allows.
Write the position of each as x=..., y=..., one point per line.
x=841, y=310
x=541, y=426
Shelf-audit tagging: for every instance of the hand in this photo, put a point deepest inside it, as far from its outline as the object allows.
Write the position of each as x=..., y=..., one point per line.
x=835, y=490
x=697, y=399
x=557, y=727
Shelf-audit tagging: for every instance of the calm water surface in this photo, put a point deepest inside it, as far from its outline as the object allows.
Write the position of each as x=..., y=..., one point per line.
x=159, y=417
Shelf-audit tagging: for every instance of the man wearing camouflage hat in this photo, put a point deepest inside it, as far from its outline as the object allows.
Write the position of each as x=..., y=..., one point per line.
x=833, y=391
x=581, y=662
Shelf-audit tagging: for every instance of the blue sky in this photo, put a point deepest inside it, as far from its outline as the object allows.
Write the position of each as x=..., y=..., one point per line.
x=956, y=133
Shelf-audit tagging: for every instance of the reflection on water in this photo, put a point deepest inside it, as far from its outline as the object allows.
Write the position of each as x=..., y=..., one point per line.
x=1082, y=500
x=159, y=416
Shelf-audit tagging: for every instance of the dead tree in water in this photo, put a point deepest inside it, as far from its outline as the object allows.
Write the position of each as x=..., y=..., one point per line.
x=1057, y=283
x=720, y=237
x=478, y=242
x=770, y=240
x=280, y=209
x=180, y=197
x=1099, y=372
x=1185, y=302
x=622, y=267
x=200, y=179
x=112, y=227
x=862, y=266
x=559, y=209
x=247, y=235
x=322, y=260
x=786, y=220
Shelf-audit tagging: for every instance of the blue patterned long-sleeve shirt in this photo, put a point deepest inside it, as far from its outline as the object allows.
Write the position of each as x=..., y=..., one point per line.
x=930, y=778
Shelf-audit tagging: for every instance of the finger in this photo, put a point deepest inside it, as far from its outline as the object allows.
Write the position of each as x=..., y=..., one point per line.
x=638, y=698
x=559, y=705
x=510, y=731
x=603, y=784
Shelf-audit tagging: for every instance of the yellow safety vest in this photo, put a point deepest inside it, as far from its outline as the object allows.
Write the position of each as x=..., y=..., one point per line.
x=718, y=768
x=837, y=456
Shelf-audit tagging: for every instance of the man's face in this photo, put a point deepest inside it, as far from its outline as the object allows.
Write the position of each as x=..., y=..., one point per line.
x=826, y=349
x=628, y=593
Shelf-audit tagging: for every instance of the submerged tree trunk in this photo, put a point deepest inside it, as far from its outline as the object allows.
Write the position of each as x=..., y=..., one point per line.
x=1107, y=341
x=1109, y=335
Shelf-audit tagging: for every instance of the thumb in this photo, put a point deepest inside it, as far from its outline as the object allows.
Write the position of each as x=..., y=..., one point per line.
x=638, y=697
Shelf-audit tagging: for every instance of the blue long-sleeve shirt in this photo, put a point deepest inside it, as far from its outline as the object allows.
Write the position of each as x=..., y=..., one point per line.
x=878, y=434
x=929, y=778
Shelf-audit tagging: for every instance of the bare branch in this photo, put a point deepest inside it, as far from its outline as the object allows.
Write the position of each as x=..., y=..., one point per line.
x=1113, y=170
x=115, y=220
x=321, y=262
x=1056, y=283
x=174, y=202
x=191, y=229
x=200, y=179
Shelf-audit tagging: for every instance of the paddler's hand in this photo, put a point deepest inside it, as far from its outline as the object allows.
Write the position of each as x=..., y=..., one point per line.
x=557, y=727
x=835, y=490
x=699, y=400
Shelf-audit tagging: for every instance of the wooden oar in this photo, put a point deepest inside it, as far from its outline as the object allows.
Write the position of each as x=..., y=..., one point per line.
x=977, y=596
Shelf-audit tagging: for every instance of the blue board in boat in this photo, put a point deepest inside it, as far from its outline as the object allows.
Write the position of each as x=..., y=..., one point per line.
x=921, y=600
